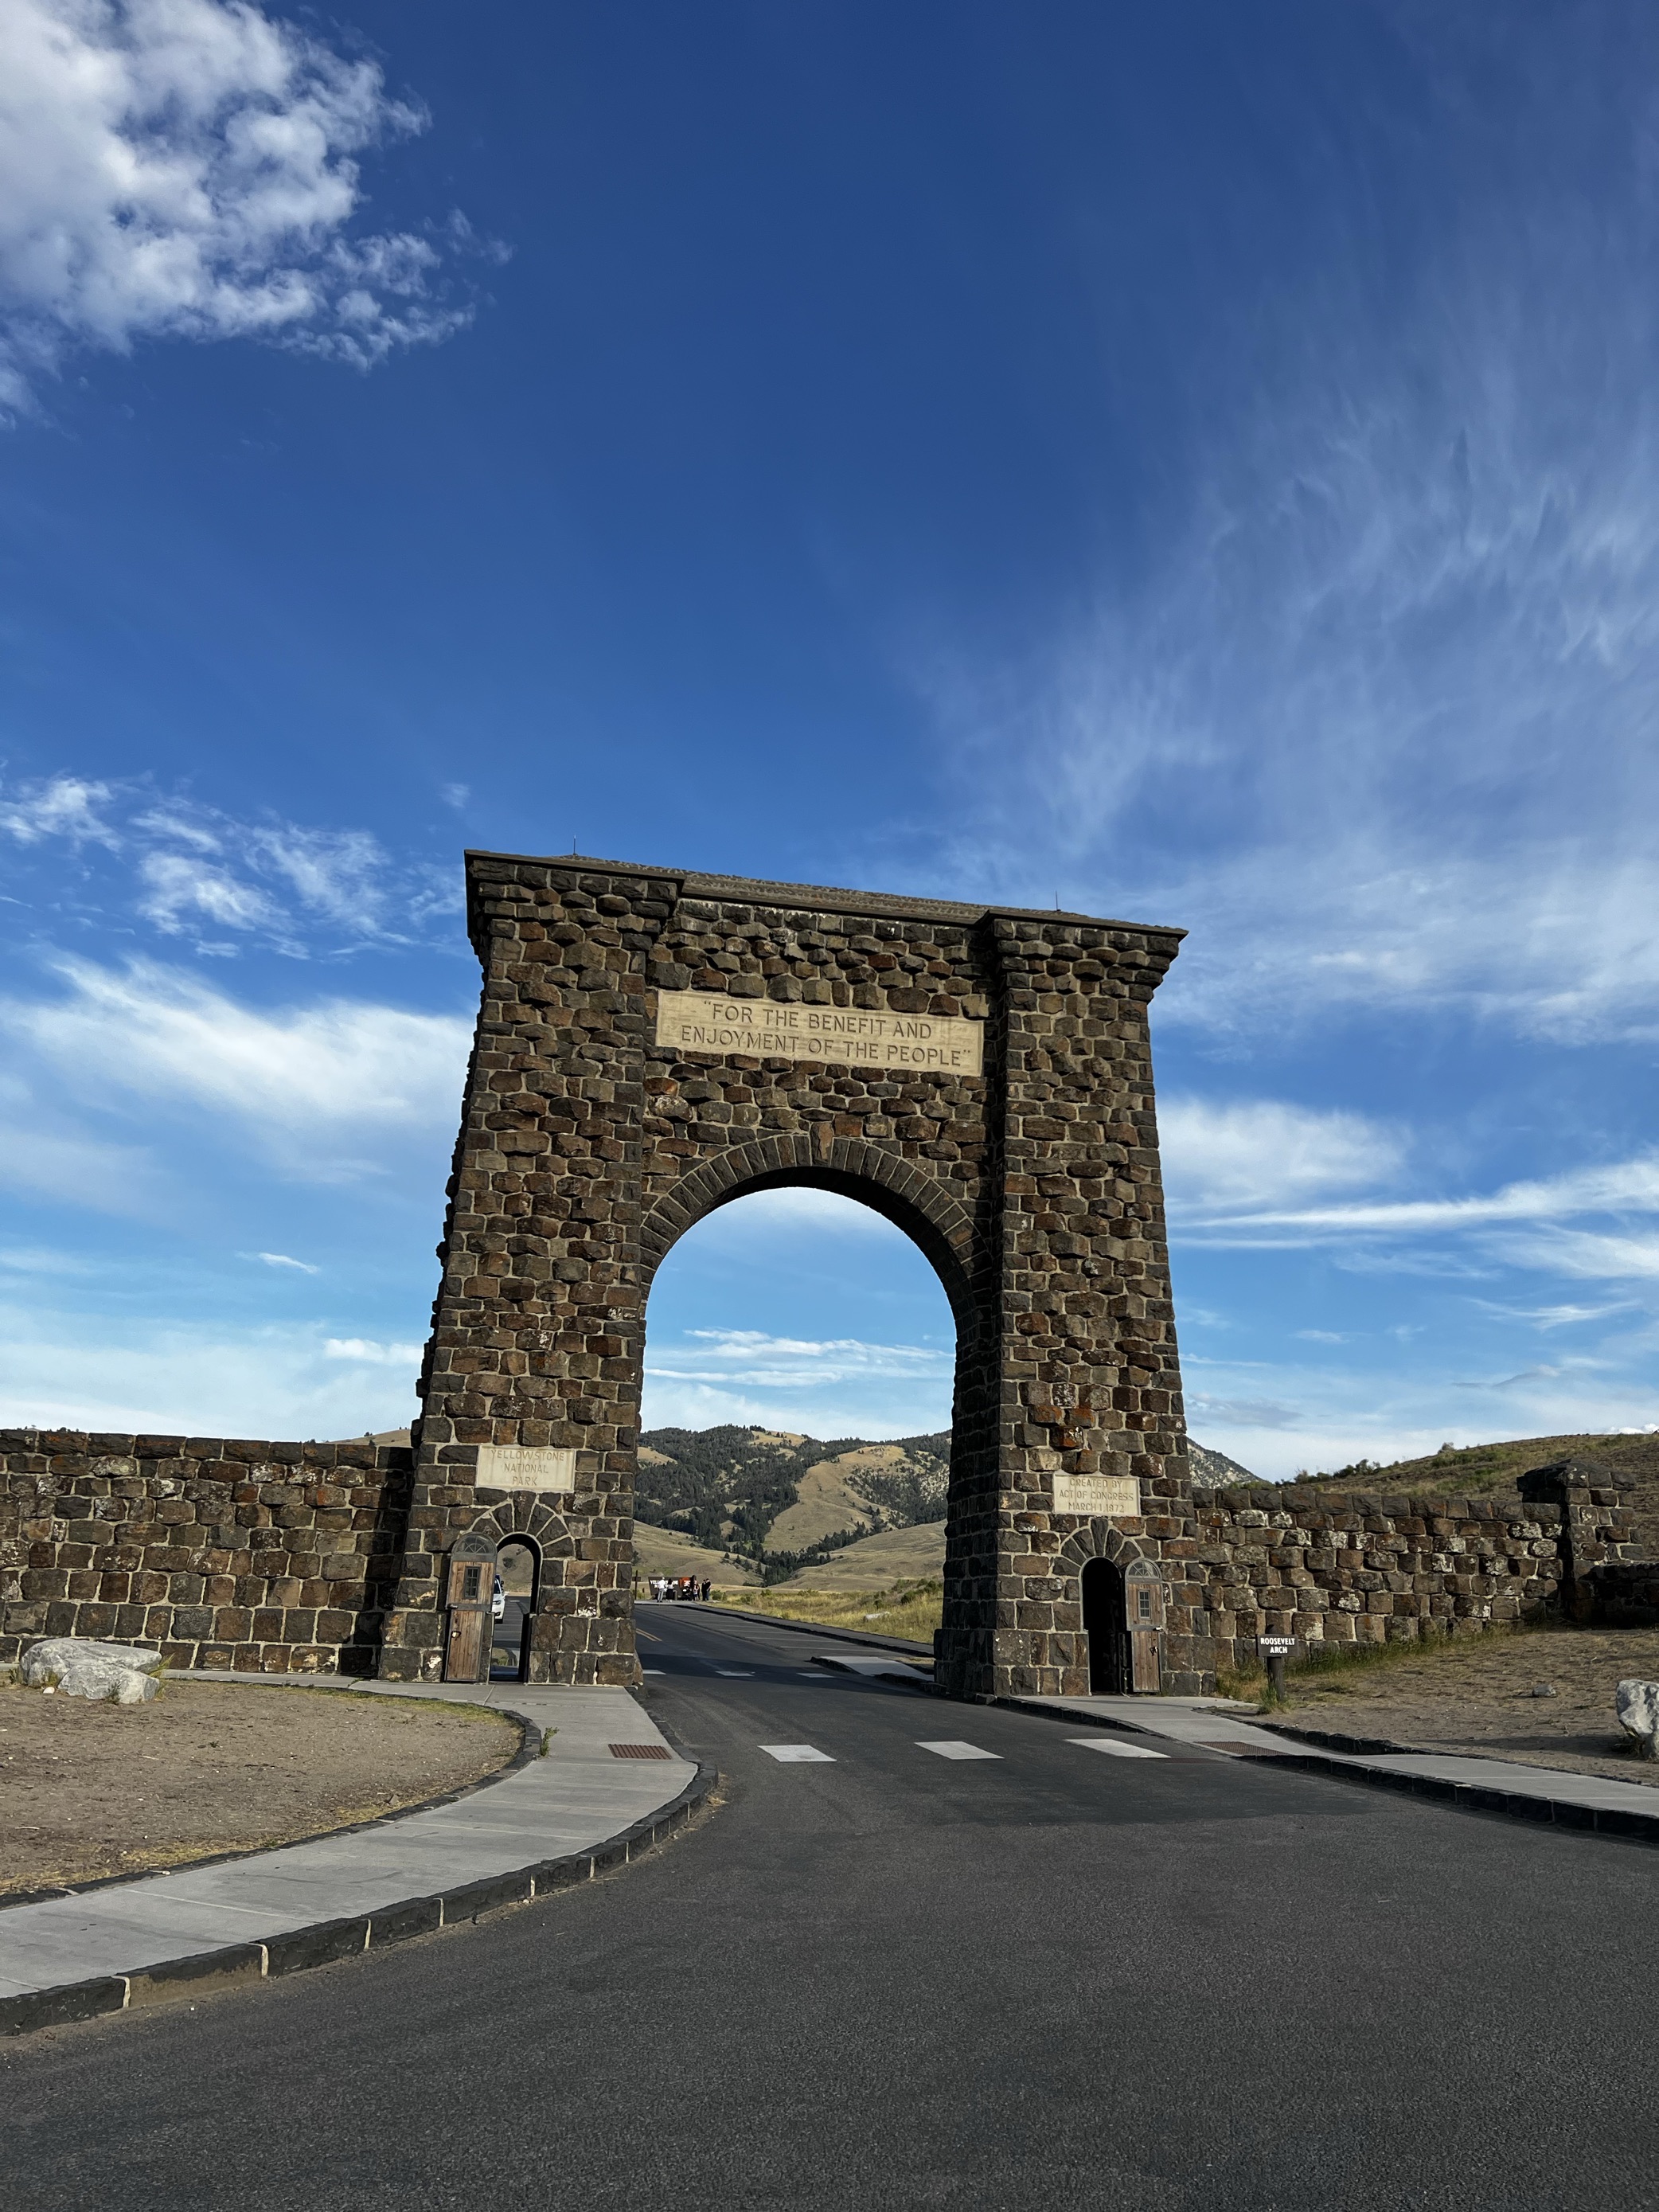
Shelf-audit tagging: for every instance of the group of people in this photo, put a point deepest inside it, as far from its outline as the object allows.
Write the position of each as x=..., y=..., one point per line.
x=680, y=1586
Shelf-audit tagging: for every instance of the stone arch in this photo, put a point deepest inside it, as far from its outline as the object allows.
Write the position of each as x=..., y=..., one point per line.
x=522, y=1515
x=1104, y=1540
x=904, y=1194
x=654, y=1044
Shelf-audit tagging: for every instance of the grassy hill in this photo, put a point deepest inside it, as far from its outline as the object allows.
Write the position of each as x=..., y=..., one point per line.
x=664, y=1552
x=1456, y=1470
x=875, y=1563
x=785, y=1500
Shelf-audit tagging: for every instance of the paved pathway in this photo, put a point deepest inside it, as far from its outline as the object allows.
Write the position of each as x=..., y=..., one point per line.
x=574, y=1799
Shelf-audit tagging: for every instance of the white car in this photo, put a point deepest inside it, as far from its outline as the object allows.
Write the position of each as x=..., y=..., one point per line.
x=498, y=1601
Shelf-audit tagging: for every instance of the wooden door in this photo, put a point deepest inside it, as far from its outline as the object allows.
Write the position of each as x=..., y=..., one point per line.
x=469, y=1594
x=1143, y=1591
x=466, y=1650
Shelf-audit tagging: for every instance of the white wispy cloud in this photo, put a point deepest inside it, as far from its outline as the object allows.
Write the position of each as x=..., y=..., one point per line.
x=198, y=873
x=1543, y=1225
x=188, y=169
x=734, y=1356
x=83, y=1370
x=1277, y=1417
x=179, y=886
x=1375, y=717
x=824, y=1387
x=67, y=807
x=1623, y=1187
x=283, y=1260
x=310, y=1083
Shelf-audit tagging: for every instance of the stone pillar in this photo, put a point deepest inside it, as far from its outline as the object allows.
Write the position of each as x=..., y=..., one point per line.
x=539, y=1326
x=1076, y=1366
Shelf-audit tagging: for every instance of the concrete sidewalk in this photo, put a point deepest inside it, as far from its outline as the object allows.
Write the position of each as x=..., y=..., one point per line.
x=554, y=1819
x=1548, y=1795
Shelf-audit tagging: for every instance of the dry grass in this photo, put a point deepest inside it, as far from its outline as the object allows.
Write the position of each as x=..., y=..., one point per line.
x=1542, y=1695
x=912, y=1610
x=1324, y=1665
x=90, y=1789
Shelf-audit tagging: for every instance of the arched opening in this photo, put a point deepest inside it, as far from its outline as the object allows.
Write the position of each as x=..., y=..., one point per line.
x=799, y=1378
x=517, y=1572
x=1105, y=1626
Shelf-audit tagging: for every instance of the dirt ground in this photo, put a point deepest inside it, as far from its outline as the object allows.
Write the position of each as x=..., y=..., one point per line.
x=1475, y=1696
x=88, y=1791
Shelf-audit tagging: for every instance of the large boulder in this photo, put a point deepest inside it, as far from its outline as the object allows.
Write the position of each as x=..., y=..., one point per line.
x=122, y=1673
x=1637, y=1704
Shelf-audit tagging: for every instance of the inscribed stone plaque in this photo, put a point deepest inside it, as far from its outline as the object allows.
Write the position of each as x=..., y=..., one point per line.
x=1109, y=1497
x=526, y=1467
x=855, y=1036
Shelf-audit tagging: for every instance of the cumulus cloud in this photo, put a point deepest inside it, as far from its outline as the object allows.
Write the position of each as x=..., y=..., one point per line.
x=187, y=168
x=310, y=1083
x=1248, y=1153
x=370, y=1354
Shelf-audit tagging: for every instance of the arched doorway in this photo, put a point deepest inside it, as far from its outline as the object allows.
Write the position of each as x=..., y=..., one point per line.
x=1106, y=1629
x=518, y=1568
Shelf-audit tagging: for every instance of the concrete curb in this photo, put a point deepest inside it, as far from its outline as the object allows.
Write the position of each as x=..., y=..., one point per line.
x=1629, y=1826
x=807, y=1628
x=1109, y=1721
x=1352, y=1759
x=298, y=1949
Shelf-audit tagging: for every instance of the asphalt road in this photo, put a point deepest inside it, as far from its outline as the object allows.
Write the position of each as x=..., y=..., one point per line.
x=1054, y=1978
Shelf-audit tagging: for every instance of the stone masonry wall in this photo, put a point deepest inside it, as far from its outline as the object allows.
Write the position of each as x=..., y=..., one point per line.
x=1364, y=1568
x=276, y=1558
x=281, y=1558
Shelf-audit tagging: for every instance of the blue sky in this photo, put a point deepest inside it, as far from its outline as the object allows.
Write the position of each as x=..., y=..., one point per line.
x=1197, y=463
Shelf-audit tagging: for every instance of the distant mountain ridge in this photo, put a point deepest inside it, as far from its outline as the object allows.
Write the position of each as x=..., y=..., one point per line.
x=771, y=1493
x=1213, y=1470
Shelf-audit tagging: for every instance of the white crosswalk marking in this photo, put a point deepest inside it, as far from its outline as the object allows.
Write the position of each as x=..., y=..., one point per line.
x=824, y=1681
x=1116, y=1747
x=958, y=1751
x=796, y=1754
x=651, y=1670
x=737, y=1674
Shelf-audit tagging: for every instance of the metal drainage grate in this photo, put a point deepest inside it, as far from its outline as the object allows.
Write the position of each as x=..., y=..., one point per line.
x=640, y=1751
